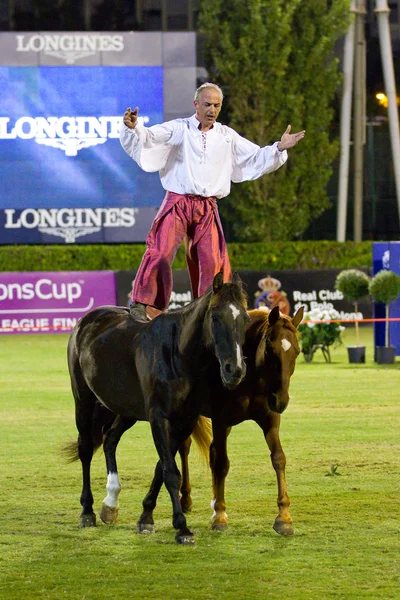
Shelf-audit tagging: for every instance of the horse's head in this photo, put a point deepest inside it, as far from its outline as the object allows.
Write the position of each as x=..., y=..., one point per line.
x=225, y=328
x=276, y=356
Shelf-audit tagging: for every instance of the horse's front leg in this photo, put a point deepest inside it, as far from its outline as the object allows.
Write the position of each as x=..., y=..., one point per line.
x=270, y=427
x=109, y=510
x=145, y=523
x=219, y=463
x=167, y=442
x=186, y=488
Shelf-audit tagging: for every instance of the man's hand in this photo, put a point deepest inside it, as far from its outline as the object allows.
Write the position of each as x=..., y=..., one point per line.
x=131, y=117
x=288, y=140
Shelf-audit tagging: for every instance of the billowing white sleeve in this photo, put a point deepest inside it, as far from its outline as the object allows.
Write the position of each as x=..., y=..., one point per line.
x=250, y=161
x=148, y=146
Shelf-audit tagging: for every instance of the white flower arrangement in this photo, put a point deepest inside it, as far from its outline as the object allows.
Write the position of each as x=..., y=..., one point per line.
x=320, y=329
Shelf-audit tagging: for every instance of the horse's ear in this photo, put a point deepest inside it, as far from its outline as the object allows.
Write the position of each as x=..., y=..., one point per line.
x=298, y=317
x=274, y=315
x=218, y=282
x=236, y=279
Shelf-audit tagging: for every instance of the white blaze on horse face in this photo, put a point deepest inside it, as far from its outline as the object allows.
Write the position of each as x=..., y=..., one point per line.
x=238, y=355
x=113, y=489
x=286, y=345
x=235, y=311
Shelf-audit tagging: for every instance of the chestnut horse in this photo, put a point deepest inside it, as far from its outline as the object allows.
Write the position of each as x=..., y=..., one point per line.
x=271, y=348
x=124, y=369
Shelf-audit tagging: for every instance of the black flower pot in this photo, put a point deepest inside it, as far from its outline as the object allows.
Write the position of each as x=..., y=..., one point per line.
x=356, y=354
x=385, y=355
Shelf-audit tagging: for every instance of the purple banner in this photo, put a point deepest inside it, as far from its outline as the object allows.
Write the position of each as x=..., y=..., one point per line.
x=51, y=302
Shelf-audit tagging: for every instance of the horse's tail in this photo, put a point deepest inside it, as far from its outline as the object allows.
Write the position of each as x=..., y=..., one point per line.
x=101, y=420
x=202, y=435
x=70, y=452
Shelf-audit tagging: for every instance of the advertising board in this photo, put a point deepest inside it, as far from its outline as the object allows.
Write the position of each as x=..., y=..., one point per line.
x=51, y=302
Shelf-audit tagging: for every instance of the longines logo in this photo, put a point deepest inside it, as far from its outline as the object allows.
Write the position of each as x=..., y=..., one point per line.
x=69, y=47
x=70, y=223
x=69, y=134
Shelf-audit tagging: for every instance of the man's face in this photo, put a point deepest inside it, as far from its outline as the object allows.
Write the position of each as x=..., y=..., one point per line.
x=208, y=107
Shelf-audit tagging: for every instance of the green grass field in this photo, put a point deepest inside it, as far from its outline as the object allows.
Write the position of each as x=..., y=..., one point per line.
x=341, y=436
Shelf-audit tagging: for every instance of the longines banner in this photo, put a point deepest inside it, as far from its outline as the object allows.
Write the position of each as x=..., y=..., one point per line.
x=64, y=175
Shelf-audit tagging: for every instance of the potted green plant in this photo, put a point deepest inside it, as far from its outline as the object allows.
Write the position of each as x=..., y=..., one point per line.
x=385, y=288
x=354, y=285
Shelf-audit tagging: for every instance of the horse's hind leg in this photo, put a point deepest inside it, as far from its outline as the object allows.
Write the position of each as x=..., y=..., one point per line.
x=270, y=426
x=84, y=407
x=109, y=510
x=186, y=488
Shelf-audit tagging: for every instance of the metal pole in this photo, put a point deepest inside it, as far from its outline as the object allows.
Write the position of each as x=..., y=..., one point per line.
x=382, y=13
x=359, y=119
x=190, y=15
x=11, y=14
x=87, y=14
x=345, y=128
x=371, y=173
x=139, y=12
x=164, y=15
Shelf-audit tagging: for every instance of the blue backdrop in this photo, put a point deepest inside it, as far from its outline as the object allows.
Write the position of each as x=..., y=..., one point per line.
x=54, y=152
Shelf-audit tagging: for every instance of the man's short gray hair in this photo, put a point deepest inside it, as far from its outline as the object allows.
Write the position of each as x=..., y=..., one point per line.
x=206, y=85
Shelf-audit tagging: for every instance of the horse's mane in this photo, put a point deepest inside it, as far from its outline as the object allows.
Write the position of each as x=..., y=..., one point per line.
x=231, y=292
x=260, y=318
x=228, y=292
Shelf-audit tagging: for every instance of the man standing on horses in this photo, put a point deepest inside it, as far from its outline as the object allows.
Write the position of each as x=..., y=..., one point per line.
x=197, y=158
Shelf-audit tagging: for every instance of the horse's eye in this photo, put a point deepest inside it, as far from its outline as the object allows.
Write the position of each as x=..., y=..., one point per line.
x=214, y=318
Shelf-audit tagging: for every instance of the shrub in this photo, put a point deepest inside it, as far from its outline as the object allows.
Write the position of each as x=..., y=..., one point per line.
x=354, y=285
x=385, y=288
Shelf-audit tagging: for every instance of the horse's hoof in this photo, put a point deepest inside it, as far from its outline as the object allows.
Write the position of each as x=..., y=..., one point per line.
x=186, y=540
x=144, y=528
x=88, y=520
x=109, y=515
x=283, y=528
x=219, y=526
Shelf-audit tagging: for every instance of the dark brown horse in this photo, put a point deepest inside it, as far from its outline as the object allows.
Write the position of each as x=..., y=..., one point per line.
x=271, y=348
x=125, y=369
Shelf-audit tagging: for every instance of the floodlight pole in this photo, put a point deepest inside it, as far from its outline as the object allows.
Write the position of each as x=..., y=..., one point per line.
x=359, y=119
x=382, y=13
x=345, y=129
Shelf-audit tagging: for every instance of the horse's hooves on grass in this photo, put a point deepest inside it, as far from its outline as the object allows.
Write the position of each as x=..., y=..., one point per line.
x=88, y=520
x=109, y=515
x=219, y=526
x=144, y=528
x=186, y=508
x=186, y=540
x=283, y=528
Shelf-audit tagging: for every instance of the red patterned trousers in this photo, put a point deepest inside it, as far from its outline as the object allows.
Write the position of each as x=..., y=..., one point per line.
x=194, y=219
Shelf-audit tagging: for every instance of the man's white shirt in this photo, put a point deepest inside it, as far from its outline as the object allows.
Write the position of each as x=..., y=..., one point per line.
x=190, y=161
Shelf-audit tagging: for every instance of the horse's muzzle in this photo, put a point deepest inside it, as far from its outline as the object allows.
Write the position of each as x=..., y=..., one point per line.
x=276, y=405
x=232, y=376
